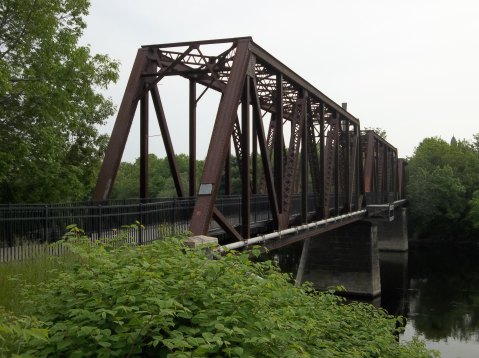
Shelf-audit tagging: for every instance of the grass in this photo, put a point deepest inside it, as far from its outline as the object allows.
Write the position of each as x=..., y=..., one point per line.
x=18, y=275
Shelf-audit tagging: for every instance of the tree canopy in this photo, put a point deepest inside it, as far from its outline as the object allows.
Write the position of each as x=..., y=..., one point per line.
x=50, y=104
x=443, y=189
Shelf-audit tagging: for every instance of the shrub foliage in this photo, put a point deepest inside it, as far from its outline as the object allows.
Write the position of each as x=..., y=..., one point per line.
x=166, y=300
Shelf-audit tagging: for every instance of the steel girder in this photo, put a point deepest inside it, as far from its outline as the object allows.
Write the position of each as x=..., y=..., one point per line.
x=383, y=170
x=308, y=144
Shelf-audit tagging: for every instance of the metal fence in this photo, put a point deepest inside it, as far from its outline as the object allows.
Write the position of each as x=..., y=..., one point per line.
x=26, y=229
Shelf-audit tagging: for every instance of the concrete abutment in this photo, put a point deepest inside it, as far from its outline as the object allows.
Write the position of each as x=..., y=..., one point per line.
x=393, y=236
x=346, y=257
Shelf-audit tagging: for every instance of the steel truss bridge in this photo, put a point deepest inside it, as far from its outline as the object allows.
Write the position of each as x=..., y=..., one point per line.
x=293, y=144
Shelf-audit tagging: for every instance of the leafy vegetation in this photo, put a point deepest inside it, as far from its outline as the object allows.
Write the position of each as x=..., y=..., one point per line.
x=443, y=189
x=160, y=181
x=50, y=148
x=167, y=300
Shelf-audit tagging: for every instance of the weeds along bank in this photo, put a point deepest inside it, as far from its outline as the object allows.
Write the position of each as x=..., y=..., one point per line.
x=164, y=299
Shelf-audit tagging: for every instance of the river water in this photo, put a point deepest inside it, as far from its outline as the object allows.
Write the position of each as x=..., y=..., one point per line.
x=435, y=288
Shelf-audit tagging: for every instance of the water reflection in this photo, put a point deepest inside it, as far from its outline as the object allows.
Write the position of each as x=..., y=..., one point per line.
x=394, y=282
x=444, y=293
x=436, y=289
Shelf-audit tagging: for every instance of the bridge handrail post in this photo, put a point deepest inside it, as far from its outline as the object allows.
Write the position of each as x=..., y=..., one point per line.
x=45, y=226
x=174, y=216
x=99, y=221
x=140, y=232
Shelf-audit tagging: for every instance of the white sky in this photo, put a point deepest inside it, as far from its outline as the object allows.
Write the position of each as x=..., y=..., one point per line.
x=410, y=67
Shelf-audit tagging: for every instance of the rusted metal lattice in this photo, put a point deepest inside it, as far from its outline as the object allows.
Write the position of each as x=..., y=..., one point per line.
x=291, y=141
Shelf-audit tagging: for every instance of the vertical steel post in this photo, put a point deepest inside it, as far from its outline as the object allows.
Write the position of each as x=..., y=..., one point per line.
x=192, y=134
x=304, y=161
x=322, y=160
x=245, y=177
x=45, y=224
x=140, y=231
x=369, y=173
x=144, y=146
x=347, y=166
x=278, y=142
x=395, y=175
x=359, y=169
x=377, y=166
x=99, y=222
x=254, y=159
x=385, y=195
x=336, y=164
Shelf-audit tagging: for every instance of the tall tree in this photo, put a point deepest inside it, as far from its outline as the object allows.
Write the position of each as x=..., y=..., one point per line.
x=50, y=104
x=441, y=185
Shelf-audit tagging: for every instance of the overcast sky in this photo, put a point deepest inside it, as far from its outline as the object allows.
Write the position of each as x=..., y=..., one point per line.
x=410, y=67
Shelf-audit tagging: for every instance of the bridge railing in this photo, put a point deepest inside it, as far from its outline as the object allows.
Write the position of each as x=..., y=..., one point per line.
x=28, y=224
x=23, y=225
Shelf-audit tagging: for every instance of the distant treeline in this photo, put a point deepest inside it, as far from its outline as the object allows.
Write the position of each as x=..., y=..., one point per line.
x=159, y=177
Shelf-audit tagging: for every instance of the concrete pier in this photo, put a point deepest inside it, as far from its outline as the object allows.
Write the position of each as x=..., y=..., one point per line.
x=392, y=236
x=346, y=257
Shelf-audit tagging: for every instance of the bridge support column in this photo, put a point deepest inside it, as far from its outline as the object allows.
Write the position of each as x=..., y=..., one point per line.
x=346, y=257
x=393, y=235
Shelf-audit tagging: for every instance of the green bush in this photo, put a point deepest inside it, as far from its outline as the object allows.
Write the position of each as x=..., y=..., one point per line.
x=167, y=300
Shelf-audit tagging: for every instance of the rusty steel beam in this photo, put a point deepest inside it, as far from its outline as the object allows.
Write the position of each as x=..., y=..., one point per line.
x=192, y=139
x=292, y=156
x=353, y=181
x=299, y=81
x=278, y=144
x=121, y=129
x=378, y=157
x=201, y=42
x=265, y=155
x=165, y=133
x=304, y=161
x=228, y=172
x=336, y=164
x=219, y=142
x=313, y=146
x=322, y=162
x=225, y=225
x=368, y=167
x=245, y=160
x=254, y=154
x=144, y=146
x=347, y=169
